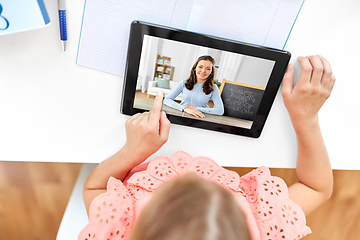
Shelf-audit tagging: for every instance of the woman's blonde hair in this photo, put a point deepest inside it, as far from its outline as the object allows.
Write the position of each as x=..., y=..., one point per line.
x=191, y=208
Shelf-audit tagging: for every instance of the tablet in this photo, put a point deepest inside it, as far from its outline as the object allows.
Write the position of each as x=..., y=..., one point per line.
x=231, y=85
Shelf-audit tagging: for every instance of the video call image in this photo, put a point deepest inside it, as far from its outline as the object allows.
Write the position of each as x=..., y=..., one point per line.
x=201, y=83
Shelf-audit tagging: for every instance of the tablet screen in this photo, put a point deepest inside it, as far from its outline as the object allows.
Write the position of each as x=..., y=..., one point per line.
x=246, y=76
x=229, y=85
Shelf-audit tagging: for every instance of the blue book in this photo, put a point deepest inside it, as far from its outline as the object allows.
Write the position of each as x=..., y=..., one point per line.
x=20, y=15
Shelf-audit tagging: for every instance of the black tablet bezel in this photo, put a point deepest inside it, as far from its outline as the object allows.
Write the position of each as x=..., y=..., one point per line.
x=139, y=29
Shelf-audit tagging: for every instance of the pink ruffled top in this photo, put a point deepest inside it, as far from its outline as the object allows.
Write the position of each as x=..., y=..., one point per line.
x=264, y=199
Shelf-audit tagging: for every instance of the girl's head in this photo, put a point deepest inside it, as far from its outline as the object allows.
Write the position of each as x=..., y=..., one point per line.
x=202, y=72
x=191, y=208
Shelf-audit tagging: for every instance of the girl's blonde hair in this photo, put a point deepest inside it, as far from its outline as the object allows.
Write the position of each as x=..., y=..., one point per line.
x=191, y=208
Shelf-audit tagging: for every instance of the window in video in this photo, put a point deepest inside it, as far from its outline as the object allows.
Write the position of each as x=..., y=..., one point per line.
x=202, y=83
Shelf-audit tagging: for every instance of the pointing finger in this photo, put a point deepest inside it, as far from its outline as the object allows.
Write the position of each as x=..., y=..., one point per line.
x=156, y=108
x=164, y=127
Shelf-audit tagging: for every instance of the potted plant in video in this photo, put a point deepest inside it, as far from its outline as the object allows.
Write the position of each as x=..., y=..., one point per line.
x=217, y=83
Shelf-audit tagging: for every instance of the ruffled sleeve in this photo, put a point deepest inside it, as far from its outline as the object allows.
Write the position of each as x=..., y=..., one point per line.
x=111, y=214
x=269, y=212
x=276, y=216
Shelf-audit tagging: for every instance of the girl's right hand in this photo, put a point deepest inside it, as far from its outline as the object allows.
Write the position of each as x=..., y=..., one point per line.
x=146, y=133
x=194, y=112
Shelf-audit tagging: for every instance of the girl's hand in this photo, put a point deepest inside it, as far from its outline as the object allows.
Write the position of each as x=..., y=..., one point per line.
x=146, y=133
x=304, y=100
x=194, y=112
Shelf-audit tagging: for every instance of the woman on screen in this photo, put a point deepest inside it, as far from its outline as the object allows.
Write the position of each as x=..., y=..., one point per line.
x=197, y=90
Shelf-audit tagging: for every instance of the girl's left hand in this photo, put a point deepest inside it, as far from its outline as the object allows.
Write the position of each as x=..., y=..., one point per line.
x=304, y=100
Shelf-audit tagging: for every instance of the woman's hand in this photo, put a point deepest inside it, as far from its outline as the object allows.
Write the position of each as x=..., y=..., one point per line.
x=192, y=111
x=304, y=100
x=146, y=133
x=191, y=107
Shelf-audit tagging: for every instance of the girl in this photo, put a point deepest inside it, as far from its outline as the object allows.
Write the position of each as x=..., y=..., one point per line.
x=197, y=90
x=135, y=204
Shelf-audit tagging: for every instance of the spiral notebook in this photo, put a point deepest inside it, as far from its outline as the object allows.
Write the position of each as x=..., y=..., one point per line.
x=106, y=24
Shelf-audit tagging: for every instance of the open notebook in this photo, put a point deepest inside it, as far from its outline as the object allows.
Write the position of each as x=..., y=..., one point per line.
x=106, y=24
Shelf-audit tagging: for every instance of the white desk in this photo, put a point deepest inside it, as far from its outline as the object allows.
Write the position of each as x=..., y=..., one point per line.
x=54, y=110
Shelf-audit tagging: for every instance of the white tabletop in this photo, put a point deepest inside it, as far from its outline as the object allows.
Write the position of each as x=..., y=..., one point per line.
x=56, y=111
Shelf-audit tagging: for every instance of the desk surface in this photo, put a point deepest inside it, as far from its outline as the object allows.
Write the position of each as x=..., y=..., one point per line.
x=54, y=110
x=147, y=105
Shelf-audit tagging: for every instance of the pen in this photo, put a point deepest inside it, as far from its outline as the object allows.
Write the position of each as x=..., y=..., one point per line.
x=62, y=23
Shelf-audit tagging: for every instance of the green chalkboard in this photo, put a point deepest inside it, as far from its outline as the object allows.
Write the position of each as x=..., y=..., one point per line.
x=240, y=100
